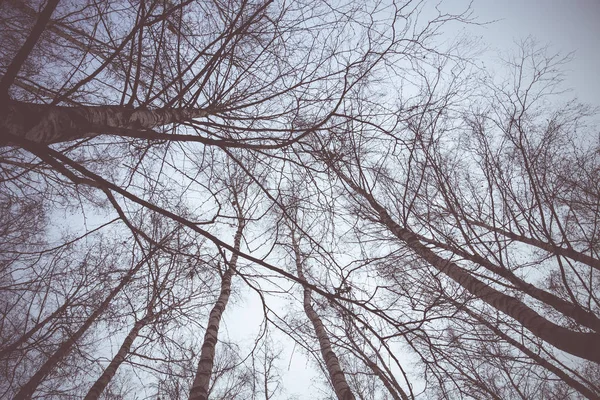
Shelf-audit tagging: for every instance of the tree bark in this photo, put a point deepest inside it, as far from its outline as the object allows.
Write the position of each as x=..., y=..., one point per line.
x=110, y=371
x=64, y=349
x=48, y=124
x=201, y=384
x=336, y=375
x=584, y=345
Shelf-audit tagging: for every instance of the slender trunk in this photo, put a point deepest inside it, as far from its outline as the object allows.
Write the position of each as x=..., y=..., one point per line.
x=64, y=349
x=76, y=37
x=200, y=386
x=396, y=395
x=336, y=375
x=568, y=309
x=383, y=378
x=4, y=352
x=13, y=69
x=469, y=375
x=391, y=385
x=60, y=29
x=578, y=386
x=47, y=124
x=110, y=371
x=584, y=345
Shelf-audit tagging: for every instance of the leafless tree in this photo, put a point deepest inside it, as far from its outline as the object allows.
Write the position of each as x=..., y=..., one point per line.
x=452, y=215
x=472, y=225
x=243, y=205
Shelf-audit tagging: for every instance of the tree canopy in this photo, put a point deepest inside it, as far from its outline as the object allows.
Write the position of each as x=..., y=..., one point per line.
x=414, y=225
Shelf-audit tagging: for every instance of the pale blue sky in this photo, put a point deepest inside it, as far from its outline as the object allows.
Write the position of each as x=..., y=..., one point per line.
x=566, y=25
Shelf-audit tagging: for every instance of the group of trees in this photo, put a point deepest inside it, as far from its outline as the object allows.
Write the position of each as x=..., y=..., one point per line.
x=416, y=226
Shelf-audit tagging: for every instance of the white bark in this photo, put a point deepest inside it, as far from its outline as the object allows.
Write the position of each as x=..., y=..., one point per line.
x=199, y=390
x=47, y=124
x=336, y=375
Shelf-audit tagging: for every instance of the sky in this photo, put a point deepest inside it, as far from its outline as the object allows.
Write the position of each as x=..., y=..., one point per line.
x=564, y=25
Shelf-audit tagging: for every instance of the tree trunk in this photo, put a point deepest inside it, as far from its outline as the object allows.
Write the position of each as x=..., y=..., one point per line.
x=584, y=345
x=199, y=390
x=391, y=385
x=578, y=386
x=110, y=371
x=64, y=349
x=66, y=32
x=13, y=68
x=336, y=375
x=570, y=310
x=48, y=124
x=9, y=348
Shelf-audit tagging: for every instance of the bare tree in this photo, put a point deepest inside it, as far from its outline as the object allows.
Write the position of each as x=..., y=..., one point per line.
x=429, y=211
x=336, y=374
x=64, y=348
x=200, y=386
x=454, y=215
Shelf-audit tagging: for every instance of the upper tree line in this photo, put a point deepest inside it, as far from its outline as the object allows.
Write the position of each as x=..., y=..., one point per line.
x=337, y=160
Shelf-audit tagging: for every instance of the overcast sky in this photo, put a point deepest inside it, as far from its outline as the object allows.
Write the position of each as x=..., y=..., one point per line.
x=565, y=25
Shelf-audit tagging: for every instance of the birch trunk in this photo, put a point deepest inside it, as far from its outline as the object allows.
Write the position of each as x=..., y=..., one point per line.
x=110, y=371
x=568, y=309
x=584, y=345
x=576, y=385
x=336, y=375
x=65, y=348
x=201, y=384
x=48, y=124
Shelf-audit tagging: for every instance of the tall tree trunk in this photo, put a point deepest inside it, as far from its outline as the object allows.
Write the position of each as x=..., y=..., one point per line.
x=60, y=29
x=65, y=348
x=568, y=309
x=578, y=386
x=200, y=386
x=110, y=371
x=584, y=345
x=77, y=38
x=336, y=375
x=396, y=392
x=13, y=69
x=47, y=124
x=388, y=381
x=9, y=348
